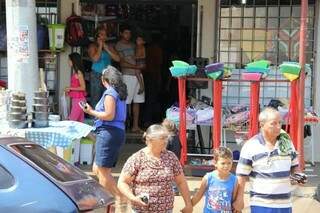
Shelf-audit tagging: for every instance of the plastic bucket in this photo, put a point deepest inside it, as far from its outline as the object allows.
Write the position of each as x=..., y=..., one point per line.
x=56, y=36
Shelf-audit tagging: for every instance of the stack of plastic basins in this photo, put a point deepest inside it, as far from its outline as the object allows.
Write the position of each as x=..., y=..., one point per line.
x=17, y=115
x=40, y=114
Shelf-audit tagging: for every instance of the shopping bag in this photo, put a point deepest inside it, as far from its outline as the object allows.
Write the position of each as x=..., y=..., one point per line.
x=64, y=107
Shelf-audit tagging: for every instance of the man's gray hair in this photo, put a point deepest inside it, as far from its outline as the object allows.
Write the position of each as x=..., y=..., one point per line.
x=266, y=113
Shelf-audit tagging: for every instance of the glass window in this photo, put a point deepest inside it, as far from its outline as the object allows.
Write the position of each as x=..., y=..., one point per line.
x=273, y=23
x=224, y=56
x=6, y=179
x=260, y=23
x=225, y=12
x=310, y=22
x=267, y=30
x=235, y=44
x=224, y=34
x=247, y=45
x=259, y=46
x=225, y=23
x=273, y=11
x=272, y=34
x=260, y=11
x=272, y=2
x=248, y=11
x=246, y=57
x=310, y=35
x=236, y=11
x=285, y=23
x=54, y=166
x=236, y=23
x=235, y=34
x=259, y=35
x=247, y=34
x=224, y=45
x=296, y=11
x=311, y=11
x=285, y=11
x=248, y=23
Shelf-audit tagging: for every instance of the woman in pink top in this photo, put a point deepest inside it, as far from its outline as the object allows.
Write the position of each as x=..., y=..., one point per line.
x=147, y=176
x=77, y=89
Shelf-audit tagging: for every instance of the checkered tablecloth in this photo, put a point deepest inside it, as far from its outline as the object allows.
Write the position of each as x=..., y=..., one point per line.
x=60, y=133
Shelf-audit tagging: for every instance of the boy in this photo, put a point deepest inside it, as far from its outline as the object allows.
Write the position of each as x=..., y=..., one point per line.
x=219, y=186
x=174, y=144
x=173, y=141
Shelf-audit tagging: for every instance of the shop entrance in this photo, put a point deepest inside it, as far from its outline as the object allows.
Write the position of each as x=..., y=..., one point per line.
x=169, y=28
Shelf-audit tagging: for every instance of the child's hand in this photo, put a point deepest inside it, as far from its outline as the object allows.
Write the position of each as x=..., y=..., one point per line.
x=187, y=209
x=238, y=205
x=141, y=90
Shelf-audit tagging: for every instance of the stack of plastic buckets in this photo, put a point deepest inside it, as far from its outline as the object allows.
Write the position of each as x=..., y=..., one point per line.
x=56, y=36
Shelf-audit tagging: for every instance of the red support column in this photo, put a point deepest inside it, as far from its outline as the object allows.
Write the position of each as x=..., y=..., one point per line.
x=294, y=112
x=182, y=119
x=302, y=61
x=254, y=108
x=217, y=107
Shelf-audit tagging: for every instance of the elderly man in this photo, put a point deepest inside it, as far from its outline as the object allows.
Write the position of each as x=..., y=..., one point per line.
x=267, y=160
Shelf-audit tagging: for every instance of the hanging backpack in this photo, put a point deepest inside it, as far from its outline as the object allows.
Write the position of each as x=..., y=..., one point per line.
x=75, y=31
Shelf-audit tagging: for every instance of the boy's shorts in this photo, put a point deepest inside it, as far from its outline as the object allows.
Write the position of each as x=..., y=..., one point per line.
x=133, y=87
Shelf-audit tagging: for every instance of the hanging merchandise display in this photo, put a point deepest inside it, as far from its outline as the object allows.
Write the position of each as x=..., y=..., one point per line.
x=256, y=70
x=217, y=71
x=75, y=31
x=181, y=68
x=291, y=70
x=56, y=36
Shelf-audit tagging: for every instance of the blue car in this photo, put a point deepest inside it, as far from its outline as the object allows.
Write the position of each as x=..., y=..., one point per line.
x=34, y=180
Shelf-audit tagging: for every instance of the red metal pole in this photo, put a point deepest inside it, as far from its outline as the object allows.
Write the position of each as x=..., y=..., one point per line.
x=293, y=112
x=254, y=108
x=302, y=61
x=182, y=119
x=217, y=107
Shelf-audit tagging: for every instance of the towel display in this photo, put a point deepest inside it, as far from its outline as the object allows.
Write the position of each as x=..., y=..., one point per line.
x=181, y=68
x=256, y=70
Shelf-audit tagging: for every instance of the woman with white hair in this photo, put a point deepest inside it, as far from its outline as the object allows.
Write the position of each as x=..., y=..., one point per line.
x=147, y=176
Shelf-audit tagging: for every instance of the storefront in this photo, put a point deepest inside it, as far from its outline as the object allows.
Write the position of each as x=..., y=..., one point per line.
x=226, y=31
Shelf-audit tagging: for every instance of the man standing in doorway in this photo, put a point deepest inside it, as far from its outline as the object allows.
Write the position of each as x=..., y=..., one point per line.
x=126, y=50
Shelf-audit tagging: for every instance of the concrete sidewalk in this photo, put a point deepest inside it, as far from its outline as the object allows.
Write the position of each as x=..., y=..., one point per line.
x=303, y=201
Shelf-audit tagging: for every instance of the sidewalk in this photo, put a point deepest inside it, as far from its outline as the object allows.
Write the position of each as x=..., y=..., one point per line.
x=303, y=201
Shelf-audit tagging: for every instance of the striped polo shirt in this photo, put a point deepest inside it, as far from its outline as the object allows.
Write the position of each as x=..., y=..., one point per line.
x=268, y=172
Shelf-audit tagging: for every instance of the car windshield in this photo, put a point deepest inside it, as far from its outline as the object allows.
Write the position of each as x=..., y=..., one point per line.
x=49, y=162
